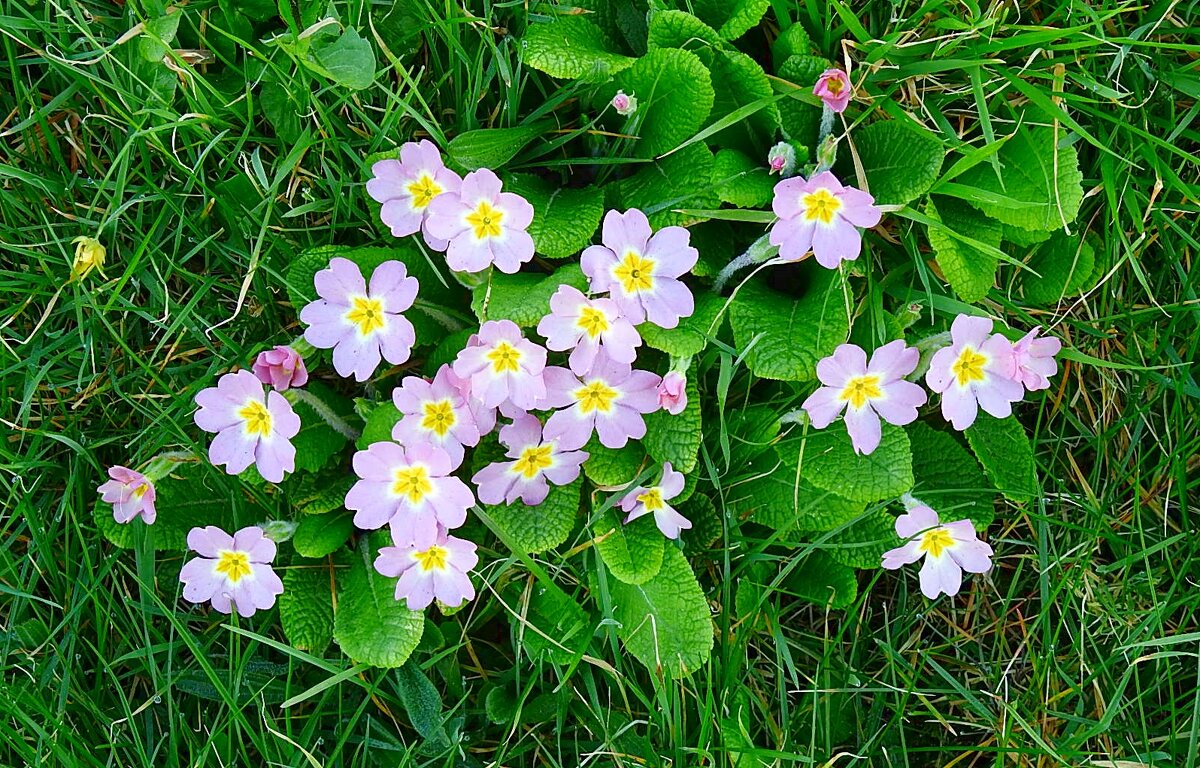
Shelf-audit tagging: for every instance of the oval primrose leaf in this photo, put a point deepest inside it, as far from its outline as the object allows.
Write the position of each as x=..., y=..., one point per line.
x=675, y=94
x=676, y=437
x=371, y=625
x=1006, y=454
x=574, y=48
x=633, y=552
x=319, y=535
x=491, y=147
x=829, y=462
x=306, y=605
x=564, y=219
x=900, y=161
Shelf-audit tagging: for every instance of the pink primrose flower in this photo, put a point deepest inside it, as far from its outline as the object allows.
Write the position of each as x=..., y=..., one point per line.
x=535, y=463
x=653, y=500
x=973, y=373
x=131, y=494
x=483, y=225
x=502, y=366
x=232, y=571
x=948, y=550
x=821, y=215
x=587, y=327
x=433, y=569
x=252, y=426
x=407, y=186
x=609, y=401
x=281, y=367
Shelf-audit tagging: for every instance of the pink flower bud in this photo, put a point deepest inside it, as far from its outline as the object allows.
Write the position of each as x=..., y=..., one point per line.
x=782, y=159
x=281, y=367
x=834, y=89
x=672, y=393
x=625, y=104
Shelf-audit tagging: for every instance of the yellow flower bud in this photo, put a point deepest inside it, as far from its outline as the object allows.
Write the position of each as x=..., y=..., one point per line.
x=89, y=255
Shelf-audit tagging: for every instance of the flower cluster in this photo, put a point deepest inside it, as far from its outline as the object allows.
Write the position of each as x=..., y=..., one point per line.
x=976, y=370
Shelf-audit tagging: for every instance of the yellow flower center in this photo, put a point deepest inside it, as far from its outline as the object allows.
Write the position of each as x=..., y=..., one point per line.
x=820, y=206
x=505, y=358
x=860, y=389
x=652, y=499
x=969, y=366
x=439, y=417
x=367, y=314
x=256, y=417
x=433, y=559
x=596, y=396
x=635, y=273
x=485, y=220
x=235, y=565
x=592, y=321
x=412, y=482
x=140, y=489
x=533, y=460
x=423, y=190
x=835, y=85
x=936, y=542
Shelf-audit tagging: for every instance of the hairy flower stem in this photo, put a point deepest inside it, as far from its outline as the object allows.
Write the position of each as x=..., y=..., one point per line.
x=760, y=250
x=340, y=425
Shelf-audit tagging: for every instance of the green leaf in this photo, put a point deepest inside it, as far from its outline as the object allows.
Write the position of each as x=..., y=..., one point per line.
x=157, y=36
x=306, y=605
x=799, y=119
x=319, y=535
x=900, y=161
x=523, y=297
x=743, y=82
x=320, y=495
x=676, y=438
x=714, y=240
x=633, y=552
x=794, y=41
x=665, y=623
x=1006, y=454
x=740, y=181
x=707, y=526
x=821, y=580
x=675, y=94
x=947, y=477
x=733, y=18
x=775, y=496
x=613, y=468
x=371, y=625
x=542, y=527
x=863, y=542
x=969, y=270
x=682, y=179
x=693, y=332
x=189, y=497
x=572, y=47
x=422, y=702
x=1040, y=186
x=830, y=463
x=347, y=59
x=317, y=443
x=447, y=350
x=491, y=147
x=1024, y=237
x=564, y=219
x=783, y=337
x=282, y=110
x=552, y=625
x=679, y=29
x=1065, y=263
x=379, y=425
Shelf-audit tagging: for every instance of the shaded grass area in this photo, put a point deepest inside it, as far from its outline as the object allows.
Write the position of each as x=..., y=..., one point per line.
x=1080, y=647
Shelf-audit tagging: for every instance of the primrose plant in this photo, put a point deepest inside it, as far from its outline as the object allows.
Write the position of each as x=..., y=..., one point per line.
x=525, y=363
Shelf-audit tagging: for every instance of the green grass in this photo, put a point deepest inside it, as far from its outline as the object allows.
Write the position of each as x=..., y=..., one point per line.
x=1079, y=648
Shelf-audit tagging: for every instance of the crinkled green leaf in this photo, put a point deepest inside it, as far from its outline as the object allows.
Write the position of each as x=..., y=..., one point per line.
x=633, y=552
x=680, y=29
x=683, y=179
x=370, y=624
x=733, y=18
x=665, y=623
x=947, y=477
x=970, y=271
x=552, y=626
x=491, y=147
x=1025, y=237
x=714, y=240
x=564, y=219
x=786, y=336
x=775, y=496
x=821, y=580
x=378, y=428
x=862, y=543
x=693, y=332
x=320, y=494
x=676, y=437
x=799, y=119
x=743, y=82
x=1065, y=263
x=317, y=443
x=306, y=605
x=675, y=94
x=793, y=41
x=524, y=297
x=347, y=59
x=1006, y=454
x=900, y=160
x=1040, y=186
x=423, y=703
x=187, y=498
x=318, y=535
x=707, y=527
x=446, y=350
x=157, y=35
x=613, y=467
x=572, y=47
x=740, y=181
x=829, y=462
x=541, y=527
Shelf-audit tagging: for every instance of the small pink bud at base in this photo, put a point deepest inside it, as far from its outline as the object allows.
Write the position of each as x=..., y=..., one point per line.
x=672, y=393
x=834, y=89
x=281, y=367
x=625, y=104
x=782, y=159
